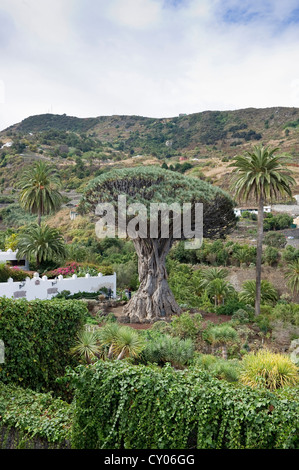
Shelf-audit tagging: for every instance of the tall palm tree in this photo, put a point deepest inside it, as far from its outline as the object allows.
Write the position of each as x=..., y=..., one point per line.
x=39, y=190
x=43, y=242
x=261, y=175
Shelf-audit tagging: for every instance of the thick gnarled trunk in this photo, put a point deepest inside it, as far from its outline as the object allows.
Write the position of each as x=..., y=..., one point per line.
x=154, y=299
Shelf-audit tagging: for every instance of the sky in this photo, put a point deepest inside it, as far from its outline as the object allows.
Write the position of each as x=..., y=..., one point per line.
x=153, y=58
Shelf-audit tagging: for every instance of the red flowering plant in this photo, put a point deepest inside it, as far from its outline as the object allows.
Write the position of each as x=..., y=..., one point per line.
x=80, y=269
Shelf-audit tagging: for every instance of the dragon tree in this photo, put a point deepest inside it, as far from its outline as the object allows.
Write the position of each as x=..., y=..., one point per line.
x=146, y=186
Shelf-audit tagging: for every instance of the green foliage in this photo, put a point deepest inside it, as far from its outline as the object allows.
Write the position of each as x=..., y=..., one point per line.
x=186, y=325
x=121, y=406
x=38, y=335
x=286, y=312
x=228, y=370
x=271, y=255
x=35, y=414
x=14, y=272
x=275, y=239
x=243, y=316
x=230, y=307
x=292, y=275
x=164, y=348
x=270, y=370
x=44, y=243
x=269, y=294
x=184, y=283
x=278, y=222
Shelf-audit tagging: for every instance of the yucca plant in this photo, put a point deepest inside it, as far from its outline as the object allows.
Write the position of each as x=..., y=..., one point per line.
x=108, y=337
x=128, y=343
x=122, y=341
x=269, y=370
x=87, y=346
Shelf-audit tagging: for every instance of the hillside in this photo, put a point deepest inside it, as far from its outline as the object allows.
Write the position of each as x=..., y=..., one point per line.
x=200, y=144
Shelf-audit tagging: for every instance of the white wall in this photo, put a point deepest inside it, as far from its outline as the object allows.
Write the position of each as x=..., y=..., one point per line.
x=9, y=255
x=44, y=288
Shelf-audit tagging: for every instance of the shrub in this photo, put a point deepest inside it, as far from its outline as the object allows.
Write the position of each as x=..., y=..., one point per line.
x=186, y=326
x=243, y=316
x=288, y=313
x=269, y=370
x=122, y=406
x=271, y=255
x=231, y=306
x=275, y=239
x=38, y=335
x=15, y=273
x=35, y=415
x=165, y=348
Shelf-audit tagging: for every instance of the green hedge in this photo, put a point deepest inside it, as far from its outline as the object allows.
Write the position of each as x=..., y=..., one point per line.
x=38, y=336
x=144, y=407
x=29, y=418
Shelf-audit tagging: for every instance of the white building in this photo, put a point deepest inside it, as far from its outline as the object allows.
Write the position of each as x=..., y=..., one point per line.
x=10, y=257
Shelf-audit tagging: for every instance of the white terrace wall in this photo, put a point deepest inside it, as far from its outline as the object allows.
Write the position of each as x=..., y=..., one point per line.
x=44, y=288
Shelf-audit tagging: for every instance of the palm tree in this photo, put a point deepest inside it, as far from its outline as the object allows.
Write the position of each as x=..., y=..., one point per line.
x=292, y=275
x=261, y=175
x=39, y=190
x=219, y=289
x=269, y=294
x=43, y=242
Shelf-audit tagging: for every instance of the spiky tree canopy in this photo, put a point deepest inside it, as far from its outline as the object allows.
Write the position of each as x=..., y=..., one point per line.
x=148, y=185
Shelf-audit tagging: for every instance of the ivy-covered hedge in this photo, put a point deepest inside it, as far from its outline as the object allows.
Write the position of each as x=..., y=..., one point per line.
x=31, y=419
x=144, y=407
x=38, y=336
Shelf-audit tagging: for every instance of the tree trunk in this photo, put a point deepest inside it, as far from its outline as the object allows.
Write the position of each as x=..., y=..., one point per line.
x=154, y=299
x=224, y=352
x=259, y=249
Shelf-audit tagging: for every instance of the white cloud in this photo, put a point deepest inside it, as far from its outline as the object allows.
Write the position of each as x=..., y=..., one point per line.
x=136, y=14
x=146, y=57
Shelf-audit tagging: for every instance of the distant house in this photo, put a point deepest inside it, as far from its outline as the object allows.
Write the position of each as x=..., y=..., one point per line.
x=10, y=257
x=8, y=144
x=238, y=211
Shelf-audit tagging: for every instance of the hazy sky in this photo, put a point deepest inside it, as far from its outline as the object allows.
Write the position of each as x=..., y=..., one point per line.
x=154, y=58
